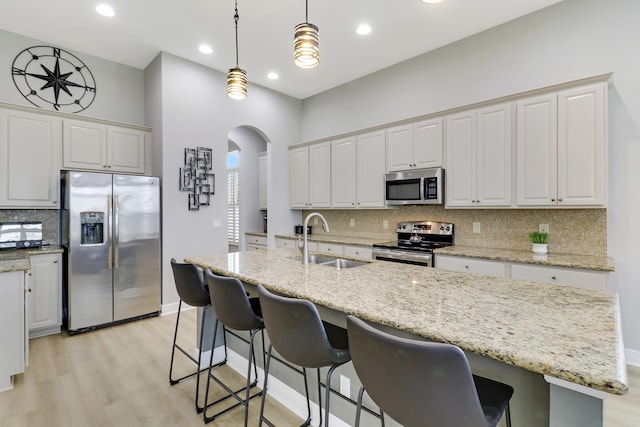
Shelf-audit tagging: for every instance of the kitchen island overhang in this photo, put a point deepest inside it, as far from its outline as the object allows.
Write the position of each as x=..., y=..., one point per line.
x=560, y=332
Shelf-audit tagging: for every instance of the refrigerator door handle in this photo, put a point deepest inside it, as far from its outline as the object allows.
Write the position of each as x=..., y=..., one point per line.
x=116, y=232
x=109, y=219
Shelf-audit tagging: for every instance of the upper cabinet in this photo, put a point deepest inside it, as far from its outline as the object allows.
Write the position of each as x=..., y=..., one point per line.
x=478, y=166
x=357, y=171
x=310, y=176
x=561, y=148
x=414, y=145
x=30, y=146
x=95, y=146
x=262, y=181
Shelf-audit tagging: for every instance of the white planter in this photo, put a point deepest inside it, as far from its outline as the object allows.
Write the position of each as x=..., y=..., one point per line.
x=539, y=248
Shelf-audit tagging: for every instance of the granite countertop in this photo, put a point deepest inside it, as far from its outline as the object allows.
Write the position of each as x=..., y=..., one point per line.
x=331, y=238
x=18, y=259
x=565, y=332
x=551, y=259
x=256, y=233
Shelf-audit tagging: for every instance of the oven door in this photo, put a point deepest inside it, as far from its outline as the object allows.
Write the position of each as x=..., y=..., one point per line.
x=404, y=257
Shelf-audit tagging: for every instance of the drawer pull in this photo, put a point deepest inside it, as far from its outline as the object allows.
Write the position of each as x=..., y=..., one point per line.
x=553, y=277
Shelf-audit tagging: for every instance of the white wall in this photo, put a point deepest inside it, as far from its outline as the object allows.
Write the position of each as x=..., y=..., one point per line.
x=119, y=88
x=568, y=41
x=197, y=112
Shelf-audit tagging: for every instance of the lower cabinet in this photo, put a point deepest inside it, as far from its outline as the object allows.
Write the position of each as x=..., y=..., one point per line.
x=256, y=242
x=471, y=265
x=561, y=276
x=329, y=248
x=44, y=293
x=13, y=342
x=588, y=279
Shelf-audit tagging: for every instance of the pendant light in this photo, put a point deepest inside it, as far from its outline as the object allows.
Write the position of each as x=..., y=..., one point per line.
x=306, y=42
x=237, y=77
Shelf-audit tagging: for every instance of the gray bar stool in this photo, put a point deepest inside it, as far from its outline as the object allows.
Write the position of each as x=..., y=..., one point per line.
x=423, y=383
x=300, y=336
x=236, y=312
x=192, y=290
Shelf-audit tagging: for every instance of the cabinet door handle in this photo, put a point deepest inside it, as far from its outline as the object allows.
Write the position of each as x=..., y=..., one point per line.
x=553, y=200
x=55, y=261
x=559, y=200
x=553, y=277
x=29, y=289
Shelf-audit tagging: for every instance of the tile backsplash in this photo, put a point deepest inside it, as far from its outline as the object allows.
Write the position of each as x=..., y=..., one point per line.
x=572, y=231
x=48, y=217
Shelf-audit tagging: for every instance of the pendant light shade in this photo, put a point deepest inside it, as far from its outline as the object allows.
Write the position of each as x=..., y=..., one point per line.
x=306, y=43
x=237, y=83
x=237, y=77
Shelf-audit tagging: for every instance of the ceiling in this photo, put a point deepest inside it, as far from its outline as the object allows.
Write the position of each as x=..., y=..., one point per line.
x=402, y=29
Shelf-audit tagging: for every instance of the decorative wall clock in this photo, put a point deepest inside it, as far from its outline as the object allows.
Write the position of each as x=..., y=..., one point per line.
x=50, y=76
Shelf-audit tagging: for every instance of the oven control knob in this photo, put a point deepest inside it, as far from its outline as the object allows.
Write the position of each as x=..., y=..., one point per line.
x=448, y=228
x=441, y=227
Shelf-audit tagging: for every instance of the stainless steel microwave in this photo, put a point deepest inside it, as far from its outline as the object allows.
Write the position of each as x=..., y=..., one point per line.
x=415, y=187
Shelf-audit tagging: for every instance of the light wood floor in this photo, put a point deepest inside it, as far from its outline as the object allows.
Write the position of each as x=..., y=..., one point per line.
x=119, y=377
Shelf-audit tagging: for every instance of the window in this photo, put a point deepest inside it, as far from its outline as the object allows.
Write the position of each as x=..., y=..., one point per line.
x=233, y=198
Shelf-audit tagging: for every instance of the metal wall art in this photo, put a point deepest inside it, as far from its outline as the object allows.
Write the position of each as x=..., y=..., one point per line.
x=196, y=177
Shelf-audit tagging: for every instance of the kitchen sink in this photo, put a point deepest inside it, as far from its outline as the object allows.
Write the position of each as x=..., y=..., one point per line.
x=332, y=261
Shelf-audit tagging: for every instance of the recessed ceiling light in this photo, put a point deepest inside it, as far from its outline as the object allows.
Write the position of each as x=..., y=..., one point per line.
x=431, y=1
x=206, y=49
x=105, y=10
x=273, y=76
x=363, y=29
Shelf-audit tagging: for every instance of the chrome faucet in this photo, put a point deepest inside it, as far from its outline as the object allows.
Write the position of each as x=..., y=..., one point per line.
x=305, y=246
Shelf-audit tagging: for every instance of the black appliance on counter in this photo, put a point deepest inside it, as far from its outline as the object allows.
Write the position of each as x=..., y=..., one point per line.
x=416, y=242
x=18, y=235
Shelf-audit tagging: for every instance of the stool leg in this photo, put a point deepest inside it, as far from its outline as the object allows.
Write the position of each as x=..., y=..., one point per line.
x=264, y=386
x=507, y=414
x=173, y=349
x=328, y=391
x=306, y=392
x=319, y=397
x=204, y=315
x=359, y=406
x=213, y=345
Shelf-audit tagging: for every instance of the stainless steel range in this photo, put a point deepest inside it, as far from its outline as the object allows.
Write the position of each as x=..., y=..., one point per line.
x=416, y=242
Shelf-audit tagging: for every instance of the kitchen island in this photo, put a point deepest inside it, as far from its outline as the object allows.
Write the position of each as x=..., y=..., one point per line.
x=522, y=333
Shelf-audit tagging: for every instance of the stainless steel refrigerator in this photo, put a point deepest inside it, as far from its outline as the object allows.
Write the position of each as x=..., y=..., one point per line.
x=111, y=232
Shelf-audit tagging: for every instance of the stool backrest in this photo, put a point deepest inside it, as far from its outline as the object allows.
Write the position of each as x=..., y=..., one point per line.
x=295, y=329
x=417, y=383
x=230, y=303
x=189, y=284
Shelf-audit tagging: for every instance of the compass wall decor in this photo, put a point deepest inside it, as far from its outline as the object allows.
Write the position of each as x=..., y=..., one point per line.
x=48, y=76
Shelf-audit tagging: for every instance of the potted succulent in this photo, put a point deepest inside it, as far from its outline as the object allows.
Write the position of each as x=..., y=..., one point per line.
x=539, y=240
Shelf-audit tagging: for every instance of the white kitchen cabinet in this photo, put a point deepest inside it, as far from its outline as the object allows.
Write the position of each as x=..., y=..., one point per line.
x=262, y=181
x=561, y=276
x=30, y=146
x=282, y=242
x=96, y=146
x=357, y=252
x=13, y=347
x=256, y=242
x=561, y=148
x=310, y=176
x=370, y=167
x=330, y=248
x=414, y=145
x=357, y=171
x=44, y=293
x=471, y=265
x=478, y=164
x=343, y=173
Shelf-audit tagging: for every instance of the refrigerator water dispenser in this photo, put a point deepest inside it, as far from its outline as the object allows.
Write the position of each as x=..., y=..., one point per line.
x=92, y=228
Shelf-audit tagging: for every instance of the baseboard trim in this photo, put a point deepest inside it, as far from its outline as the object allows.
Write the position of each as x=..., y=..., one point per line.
x=632, y=357
x=281, y=392
x=170, y=308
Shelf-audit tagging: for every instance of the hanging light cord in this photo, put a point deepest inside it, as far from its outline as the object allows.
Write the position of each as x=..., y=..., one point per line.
x=306, y=11
x=236, y=18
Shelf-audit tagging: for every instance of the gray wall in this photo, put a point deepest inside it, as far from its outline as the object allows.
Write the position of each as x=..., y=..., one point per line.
x=197, y=112
x=119, y=88
x=568, y=41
